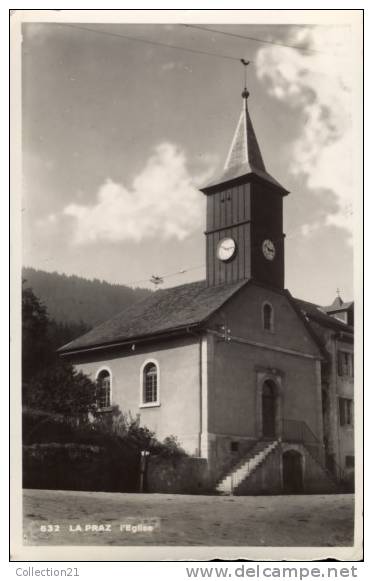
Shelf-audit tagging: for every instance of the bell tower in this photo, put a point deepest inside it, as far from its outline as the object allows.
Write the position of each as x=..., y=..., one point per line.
x=244, y=222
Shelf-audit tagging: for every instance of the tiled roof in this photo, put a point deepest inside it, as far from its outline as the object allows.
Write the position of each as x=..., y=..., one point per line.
x=178, y=308
x=318, y=314
x=336, y=308
x=163, y=311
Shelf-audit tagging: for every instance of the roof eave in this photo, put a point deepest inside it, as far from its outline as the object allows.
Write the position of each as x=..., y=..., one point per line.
x=344, y=336
x=334, y=324
x=177, y=331
x=238, y=179
x=331, y=311
x=311, y=332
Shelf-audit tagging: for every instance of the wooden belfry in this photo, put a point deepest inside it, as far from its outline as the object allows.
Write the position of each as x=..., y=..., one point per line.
x=244, y=223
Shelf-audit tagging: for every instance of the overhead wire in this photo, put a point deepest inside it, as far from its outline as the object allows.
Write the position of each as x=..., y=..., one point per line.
x=146, y=41
x=244, y=37
x=194, y=51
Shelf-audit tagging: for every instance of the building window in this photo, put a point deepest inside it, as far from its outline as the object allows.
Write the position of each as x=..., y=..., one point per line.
x=267, y=313
x=103, y=392
x=345, y=411
x=345, y=363
x=350, y=461
x=150, y=384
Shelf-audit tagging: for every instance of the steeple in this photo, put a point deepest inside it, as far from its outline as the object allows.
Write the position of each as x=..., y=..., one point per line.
x=338, y=302
x=244, y=156
x=244, y=214
x=245, y=150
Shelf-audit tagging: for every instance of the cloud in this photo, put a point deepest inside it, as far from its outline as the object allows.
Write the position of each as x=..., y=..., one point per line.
x=320, y=85
x=162, y=201
x=48, y=220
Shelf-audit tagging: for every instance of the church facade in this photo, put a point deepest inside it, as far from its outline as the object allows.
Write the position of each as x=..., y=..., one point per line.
x=254, y=381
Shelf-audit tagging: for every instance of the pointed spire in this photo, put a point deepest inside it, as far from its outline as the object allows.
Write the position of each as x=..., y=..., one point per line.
x=338, y=302
x=245, y=148
x=244, y=156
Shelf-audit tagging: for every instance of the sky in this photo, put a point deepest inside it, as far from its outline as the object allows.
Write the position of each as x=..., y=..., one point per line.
x=118, y=135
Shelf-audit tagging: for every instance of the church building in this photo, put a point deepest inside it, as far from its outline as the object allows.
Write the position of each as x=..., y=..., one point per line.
x=247, y=377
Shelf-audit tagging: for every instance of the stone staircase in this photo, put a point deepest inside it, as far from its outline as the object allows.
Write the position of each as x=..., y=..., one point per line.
x=249, y=463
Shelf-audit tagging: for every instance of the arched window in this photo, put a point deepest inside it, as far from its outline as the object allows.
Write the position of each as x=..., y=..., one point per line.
x=150, y=383
x=103, y=393
x=268, y=389
x=268, y=317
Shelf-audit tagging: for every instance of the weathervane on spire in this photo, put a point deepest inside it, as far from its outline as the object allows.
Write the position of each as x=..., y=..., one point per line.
x=245, y=92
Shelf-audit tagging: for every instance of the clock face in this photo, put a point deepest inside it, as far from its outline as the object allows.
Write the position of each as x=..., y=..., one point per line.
x=226, y=249
x=269, y=250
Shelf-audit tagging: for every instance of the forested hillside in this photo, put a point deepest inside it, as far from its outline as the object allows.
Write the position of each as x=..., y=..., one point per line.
x=79, y=301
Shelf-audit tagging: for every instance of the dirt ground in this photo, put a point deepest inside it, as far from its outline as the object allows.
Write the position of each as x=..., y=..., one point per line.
x=118, y=519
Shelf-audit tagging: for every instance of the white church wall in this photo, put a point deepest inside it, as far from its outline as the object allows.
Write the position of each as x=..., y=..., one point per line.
x=178, y=411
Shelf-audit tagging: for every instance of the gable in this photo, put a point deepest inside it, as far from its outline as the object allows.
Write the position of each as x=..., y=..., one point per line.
x=243, y=315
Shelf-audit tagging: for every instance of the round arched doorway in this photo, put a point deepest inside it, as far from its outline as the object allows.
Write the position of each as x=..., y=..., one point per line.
x=269, y=405
x=292, y=472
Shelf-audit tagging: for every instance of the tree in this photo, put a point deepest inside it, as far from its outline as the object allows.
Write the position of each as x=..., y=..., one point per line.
x=35, y=321
x=49, y=384
x=61, y=389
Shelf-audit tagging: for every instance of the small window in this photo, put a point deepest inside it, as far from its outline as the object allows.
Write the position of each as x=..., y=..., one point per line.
x=345, y=363
x=103, y=393
x=150, y=383
x=349, y=413
x=267, y=317
x=350, y=461
x=345, y=411
x=234, y=446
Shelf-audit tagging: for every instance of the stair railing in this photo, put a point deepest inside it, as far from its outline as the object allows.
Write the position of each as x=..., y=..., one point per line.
x=298, y=431
x=234, y=479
